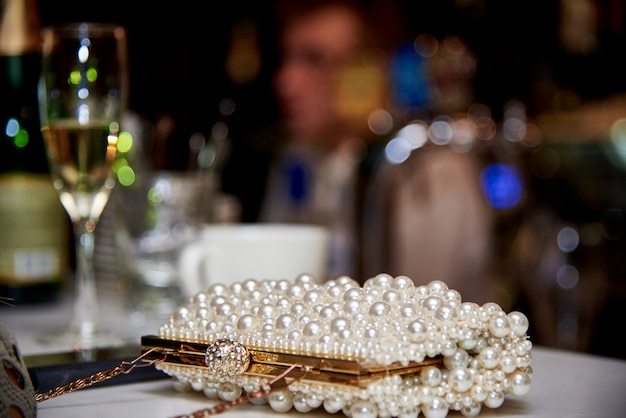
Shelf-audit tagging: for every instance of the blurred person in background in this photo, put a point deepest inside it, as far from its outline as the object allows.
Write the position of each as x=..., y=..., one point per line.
x=332, y=89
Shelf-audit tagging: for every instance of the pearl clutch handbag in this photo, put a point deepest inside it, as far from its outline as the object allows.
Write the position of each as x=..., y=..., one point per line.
x=389, y=348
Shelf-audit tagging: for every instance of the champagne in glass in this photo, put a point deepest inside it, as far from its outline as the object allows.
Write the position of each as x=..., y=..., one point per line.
x=82, y=99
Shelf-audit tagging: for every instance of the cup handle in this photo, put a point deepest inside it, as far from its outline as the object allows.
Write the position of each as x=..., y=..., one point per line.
x=192, y=267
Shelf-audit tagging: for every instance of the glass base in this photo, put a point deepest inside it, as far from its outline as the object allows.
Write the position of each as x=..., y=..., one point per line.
x=154, y=301
x=83, y=339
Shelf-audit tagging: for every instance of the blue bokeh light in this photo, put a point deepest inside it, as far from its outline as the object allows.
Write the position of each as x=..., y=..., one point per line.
x=502, y=185
x=410, y=85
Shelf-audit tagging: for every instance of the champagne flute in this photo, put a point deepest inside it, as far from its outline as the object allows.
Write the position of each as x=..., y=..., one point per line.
x=82, y=96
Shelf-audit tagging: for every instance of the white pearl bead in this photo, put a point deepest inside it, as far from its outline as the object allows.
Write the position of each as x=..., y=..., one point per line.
x=351, y=307
x=268, y=311
x=300, y=404
x=236, y=288
x=508, y=364
x=285, y=322
x=519, y=322
x=250, y=285
x=471, y=410
x=211, y=392
x=312, y=297
x=437, y=287
x=283, y=285
x=432, y=303
x=392, y=297
x=353, y=294
x=407, y=311
x=313, y=400
x=197, y=384
x=248, y=323
x=217, y=301
x=382, y=280
x=229, y=391
x=425, y=394
x=469, y=340
x=346, y=281
x=203, y=313
x=297, y=309
x=181, y=314
x=481, y=343
x=421, y=291
x=295, y=292
x=520, y=383
x=494, y=400
x=402, y=283
x=452, y=295
x=333, y=404
x=338, y=325
x=335, y=292
x=499, y=326
x=281, y=400
x=283, y=303
x=430, y=376
x=219, y=289
x=478, y=393
x=312, y=329
x=363, y=409
x=379, y=309
x=409, y=412
x=446, y=314
x=460, y=379
x=436, y=408
x=305, y=279
x=489, y=358
x=460, y=359
x=371, y=333
x=417, y=330
x=327, y=312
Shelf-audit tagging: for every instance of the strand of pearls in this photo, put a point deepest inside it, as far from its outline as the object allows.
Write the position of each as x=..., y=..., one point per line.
x=389, y=320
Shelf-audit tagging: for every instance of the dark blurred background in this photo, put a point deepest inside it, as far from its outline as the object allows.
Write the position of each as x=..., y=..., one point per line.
x=190, y=59
x=179, y=52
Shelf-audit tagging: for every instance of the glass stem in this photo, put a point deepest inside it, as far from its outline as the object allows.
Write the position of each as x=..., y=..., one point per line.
x=86, y=301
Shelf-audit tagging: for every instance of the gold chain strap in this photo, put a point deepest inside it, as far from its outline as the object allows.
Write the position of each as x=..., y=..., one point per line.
x=124, y=367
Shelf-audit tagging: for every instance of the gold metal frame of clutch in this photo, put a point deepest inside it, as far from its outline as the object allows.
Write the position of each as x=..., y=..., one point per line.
x=267, y=364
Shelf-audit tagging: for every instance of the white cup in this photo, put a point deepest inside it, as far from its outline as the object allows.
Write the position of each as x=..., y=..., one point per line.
x=228, y=253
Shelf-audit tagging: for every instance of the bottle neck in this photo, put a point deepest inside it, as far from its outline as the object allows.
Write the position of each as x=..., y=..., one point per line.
x=21, y=145
x=19, y=27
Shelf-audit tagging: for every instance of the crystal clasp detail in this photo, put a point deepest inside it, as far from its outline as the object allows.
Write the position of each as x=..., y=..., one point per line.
x=227, y=358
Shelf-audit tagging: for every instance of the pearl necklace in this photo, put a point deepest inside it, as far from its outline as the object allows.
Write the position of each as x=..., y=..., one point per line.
x=387, y=324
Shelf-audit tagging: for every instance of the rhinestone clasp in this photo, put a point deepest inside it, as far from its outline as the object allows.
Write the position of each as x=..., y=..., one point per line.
x=226, y=358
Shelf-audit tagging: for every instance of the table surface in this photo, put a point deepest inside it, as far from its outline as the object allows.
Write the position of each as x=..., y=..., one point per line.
x=564, y=384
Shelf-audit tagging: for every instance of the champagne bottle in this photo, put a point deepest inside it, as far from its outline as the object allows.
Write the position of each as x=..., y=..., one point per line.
x=33, y=226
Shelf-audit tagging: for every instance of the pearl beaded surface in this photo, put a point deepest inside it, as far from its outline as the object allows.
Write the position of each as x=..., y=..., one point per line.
x=387, y=321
